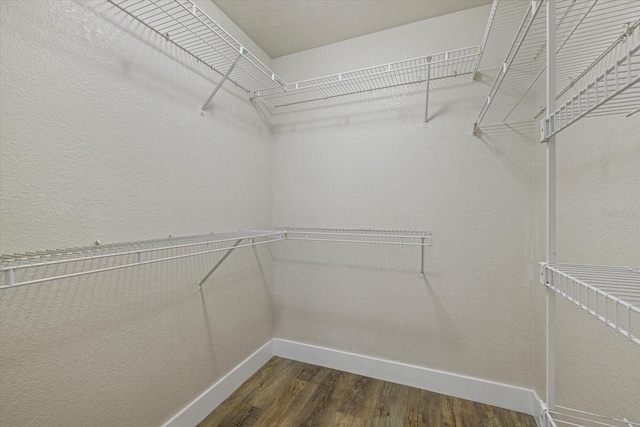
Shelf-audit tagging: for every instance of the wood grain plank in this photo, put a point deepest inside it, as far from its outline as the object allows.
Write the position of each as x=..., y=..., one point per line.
x=322, y=400
x=285, y=409
x=285, y=393
x=271, y=370
x=343, y=420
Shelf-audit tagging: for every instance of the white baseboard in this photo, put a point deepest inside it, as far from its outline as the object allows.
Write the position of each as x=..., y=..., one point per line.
x=537, y=409
x=483, y=391
x=202, y=406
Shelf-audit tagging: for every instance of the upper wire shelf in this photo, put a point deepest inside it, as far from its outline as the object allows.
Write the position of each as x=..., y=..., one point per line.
x=564, y=416
x=502, y=26
x=417, y=70
x=611, y=294
x=613, y=91
x=588, y=32
x=188, y=27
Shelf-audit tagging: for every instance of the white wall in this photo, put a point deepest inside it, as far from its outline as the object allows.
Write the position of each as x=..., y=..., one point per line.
x=598, y=222
x=369, y=162
x=102, y=139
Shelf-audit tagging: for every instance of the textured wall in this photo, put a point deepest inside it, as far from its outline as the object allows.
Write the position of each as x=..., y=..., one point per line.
x=102, y=139
x=369, y=162
x=598, y=222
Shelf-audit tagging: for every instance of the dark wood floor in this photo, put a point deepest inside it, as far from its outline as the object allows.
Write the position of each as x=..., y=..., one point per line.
x=288, y=393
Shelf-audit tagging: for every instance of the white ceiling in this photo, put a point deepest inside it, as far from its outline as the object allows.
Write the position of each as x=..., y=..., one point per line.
x=281, y=27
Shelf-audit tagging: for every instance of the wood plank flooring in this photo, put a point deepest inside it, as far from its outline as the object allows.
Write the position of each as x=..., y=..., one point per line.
x=288, y=393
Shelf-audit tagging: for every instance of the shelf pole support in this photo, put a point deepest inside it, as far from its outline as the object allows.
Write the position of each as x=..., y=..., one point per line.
x=215, y=267
x=422, y=276
x=219, y=85
x=426, y=110
x=551, y=206
x=9, y=277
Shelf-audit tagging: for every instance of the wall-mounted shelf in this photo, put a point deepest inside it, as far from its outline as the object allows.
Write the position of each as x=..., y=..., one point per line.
x=503, y=23
x=73, y=262
x=611, y=294
x=43, y=266
x=184, y=24
x=563, y=416
x=587, y=32
x=417, y=70
x=382, y=237
x=614, y=91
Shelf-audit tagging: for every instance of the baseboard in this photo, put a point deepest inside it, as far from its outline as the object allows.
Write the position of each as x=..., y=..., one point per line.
x=483, y=391
x=537, y=409
x=197, y=410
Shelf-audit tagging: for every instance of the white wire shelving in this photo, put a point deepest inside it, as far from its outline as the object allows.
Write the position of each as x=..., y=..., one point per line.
x=32, y=268
x=502, y=26
x=382, y=237
x=184, y=24
x=563, y=416
x=610, y=294
x=73, y=262
x=587, y=33
x=411, y=71
x=615, y=90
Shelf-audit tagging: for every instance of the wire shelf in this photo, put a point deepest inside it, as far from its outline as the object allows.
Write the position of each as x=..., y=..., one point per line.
x=417, y=70
x=613, y=91
x=611, y=294
x=79, y=261
x=73, y=262
x=188, y=27
x=184, y=24
x=385, y=237
x=563, y=416
x=502, y=26
x=587, y=31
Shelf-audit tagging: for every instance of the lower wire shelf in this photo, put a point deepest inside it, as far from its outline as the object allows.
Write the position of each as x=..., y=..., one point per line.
x=611, y=294
x=563, y=416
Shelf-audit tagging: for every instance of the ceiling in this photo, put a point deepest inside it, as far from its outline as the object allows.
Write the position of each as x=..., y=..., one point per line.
x=282, y=27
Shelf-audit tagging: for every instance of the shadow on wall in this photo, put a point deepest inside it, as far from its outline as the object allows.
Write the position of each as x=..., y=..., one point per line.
x=391, y=104
x=329, y=292
x=108, y=340
x=150, y=62
x=506, y=141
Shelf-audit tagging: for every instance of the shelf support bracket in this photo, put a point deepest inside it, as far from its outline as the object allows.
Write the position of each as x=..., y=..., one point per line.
x=219, y=85
x=426, y=109
x=422, y=276
x=215, y=267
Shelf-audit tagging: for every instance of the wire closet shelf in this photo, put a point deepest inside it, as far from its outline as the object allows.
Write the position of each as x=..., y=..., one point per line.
x=73, y=262
x=378, y=237
x=611, y=294
x=562, y=416
x=592, y=36
x=43, y=266
x=411, y=71
x=184, y=24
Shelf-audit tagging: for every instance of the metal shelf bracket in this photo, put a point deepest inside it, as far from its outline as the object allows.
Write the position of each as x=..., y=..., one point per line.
x=219, y=263
x=219, y=85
